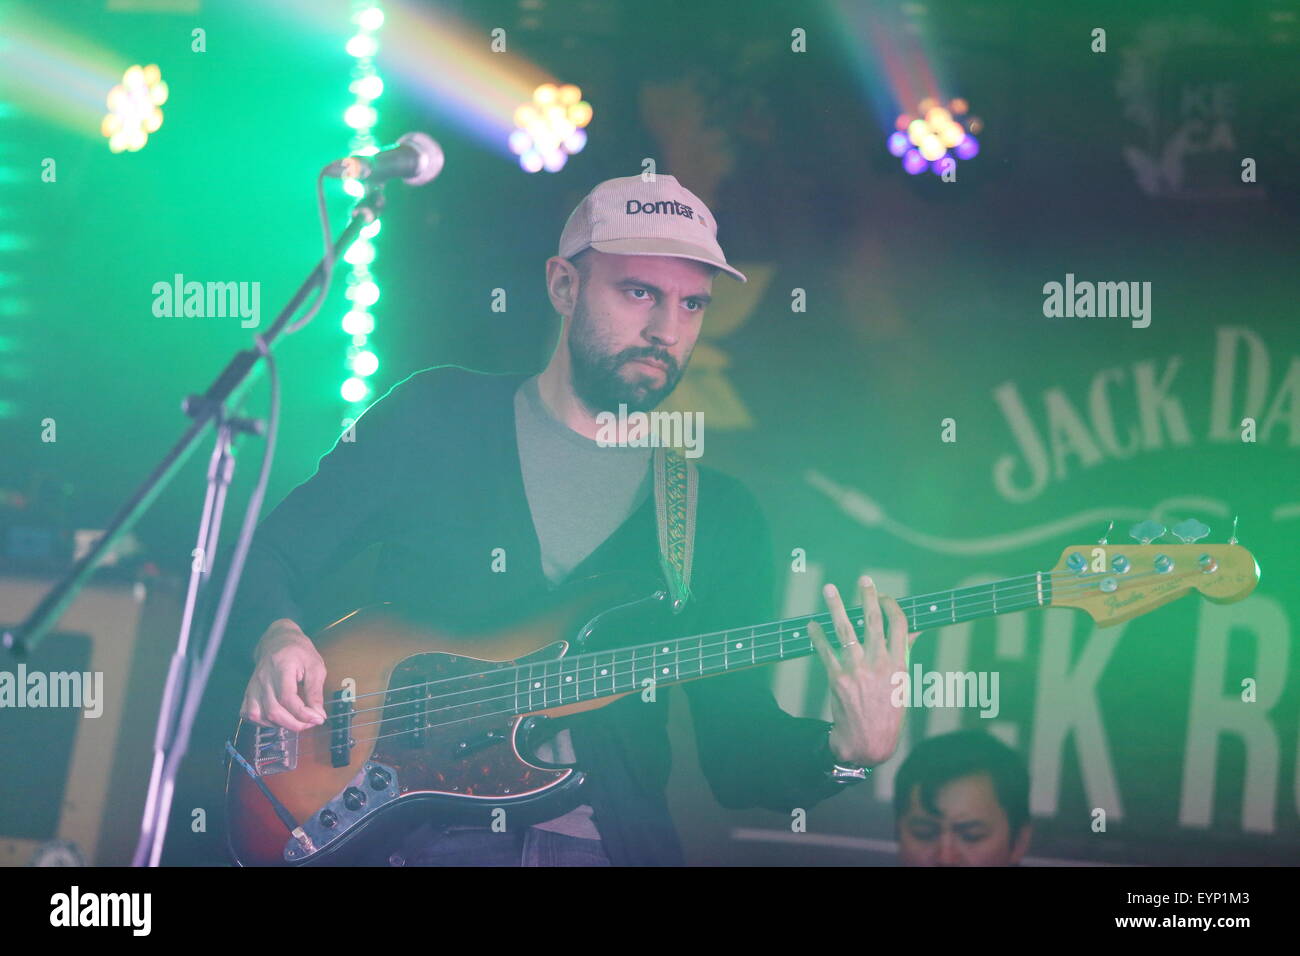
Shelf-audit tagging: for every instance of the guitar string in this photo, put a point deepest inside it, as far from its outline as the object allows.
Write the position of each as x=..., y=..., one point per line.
x=824, y=618
x=907, y=604
x=575, y=660
x=800, y=645
x=716, y=648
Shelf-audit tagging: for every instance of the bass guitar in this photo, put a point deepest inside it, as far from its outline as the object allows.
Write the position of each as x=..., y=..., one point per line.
x=428, y=725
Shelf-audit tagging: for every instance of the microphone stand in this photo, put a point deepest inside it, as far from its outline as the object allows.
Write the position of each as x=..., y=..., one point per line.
x=185, y=683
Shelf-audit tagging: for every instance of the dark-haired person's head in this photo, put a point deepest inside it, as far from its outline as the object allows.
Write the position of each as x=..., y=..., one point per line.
x=962, y=799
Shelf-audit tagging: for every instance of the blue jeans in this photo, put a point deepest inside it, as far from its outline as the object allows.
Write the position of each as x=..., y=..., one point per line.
x=482, y=847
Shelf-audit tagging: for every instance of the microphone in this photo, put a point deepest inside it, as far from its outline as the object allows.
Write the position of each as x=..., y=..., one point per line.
x=416, y=159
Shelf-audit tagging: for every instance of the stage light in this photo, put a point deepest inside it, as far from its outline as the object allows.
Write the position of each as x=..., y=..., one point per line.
x=531, y=161
x=549, y=129
x=913, y=162
x=580, y=113
x=360, y=116
x=938, y=117
x=370, y=19
x=931, y=148
x=357, y=322
x=354, y=390
x=362, y=45
x=968, y=148
x=951, y=135
x=360, y=253
x=365, y=363
x=134, y=108
x=367, y=87
x=363, y=294
x=574, y=142
x=933, y=134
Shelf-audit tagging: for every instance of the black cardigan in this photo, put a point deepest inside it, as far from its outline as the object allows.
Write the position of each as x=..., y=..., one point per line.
x=433, y=475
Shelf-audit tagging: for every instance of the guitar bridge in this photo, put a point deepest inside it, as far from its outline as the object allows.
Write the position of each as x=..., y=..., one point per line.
x=275, y=750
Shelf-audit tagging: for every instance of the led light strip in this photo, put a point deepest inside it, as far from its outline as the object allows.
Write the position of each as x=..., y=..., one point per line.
x=362, y=292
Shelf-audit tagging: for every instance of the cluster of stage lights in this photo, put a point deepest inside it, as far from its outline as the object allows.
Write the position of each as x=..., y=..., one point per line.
x=924, y=141
x=362, y=291
x=134, y=108
x=551, y=128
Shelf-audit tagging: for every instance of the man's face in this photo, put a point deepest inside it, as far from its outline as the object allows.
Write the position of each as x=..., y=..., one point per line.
x=634, y=326
x=970, y=830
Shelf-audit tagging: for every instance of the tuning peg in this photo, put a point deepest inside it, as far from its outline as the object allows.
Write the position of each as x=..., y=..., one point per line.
x=1147, y=531
x=1189, y=531
x=1106, y=535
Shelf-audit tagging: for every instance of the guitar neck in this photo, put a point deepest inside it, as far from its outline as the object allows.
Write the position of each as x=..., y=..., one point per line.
x=596, y=674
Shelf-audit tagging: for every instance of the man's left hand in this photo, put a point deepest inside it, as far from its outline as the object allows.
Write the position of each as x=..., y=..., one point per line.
x=867, y=724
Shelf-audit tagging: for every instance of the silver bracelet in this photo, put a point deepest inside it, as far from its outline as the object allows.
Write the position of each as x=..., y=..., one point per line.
x=842, y=773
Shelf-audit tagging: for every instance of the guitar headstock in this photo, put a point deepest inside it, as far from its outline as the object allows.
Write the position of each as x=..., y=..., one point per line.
x=1117, y=582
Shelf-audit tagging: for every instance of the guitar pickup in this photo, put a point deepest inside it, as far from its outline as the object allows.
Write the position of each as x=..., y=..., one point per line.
x=342, y=710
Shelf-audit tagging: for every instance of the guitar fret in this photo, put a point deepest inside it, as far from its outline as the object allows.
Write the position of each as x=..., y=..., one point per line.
x=597, y=674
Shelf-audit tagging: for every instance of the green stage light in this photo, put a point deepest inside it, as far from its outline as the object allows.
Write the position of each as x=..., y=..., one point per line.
x=363, y=294
x=362, y=45
x=360, y=116
x=354, y=390
x=360, y=253
x=357, y=322
x=362, y=291
x=370, y=19
x=365, y=363
x=367, y=87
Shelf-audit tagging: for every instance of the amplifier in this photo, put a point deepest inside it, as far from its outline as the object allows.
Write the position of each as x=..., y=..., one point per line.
x=77, y=721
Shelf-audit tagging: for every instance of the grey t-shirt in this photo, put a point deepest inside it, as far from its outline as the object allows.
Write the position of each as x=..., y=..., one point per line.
x=579, y=493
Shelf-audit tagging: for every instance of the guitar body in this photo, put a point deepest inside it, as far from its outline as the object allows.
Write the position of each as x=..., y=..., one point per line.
x=382, y=765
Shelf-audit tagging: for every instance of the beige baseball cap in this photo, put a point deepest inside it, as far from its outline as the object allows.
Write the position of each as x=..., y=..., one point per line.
x=633, y=217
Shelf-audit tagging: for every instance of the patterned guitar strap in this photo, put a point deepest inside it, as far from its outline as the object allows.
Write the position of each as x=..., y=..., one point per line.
x=676, y=492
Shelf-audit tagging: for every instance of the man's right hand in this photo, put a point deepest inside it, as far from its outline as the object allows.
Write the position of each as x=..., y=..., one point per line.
x=287, y=688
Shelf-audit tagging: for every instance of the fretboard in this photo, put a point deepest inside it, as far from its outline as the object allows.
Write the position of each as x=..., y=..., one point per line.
x=596, y=674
